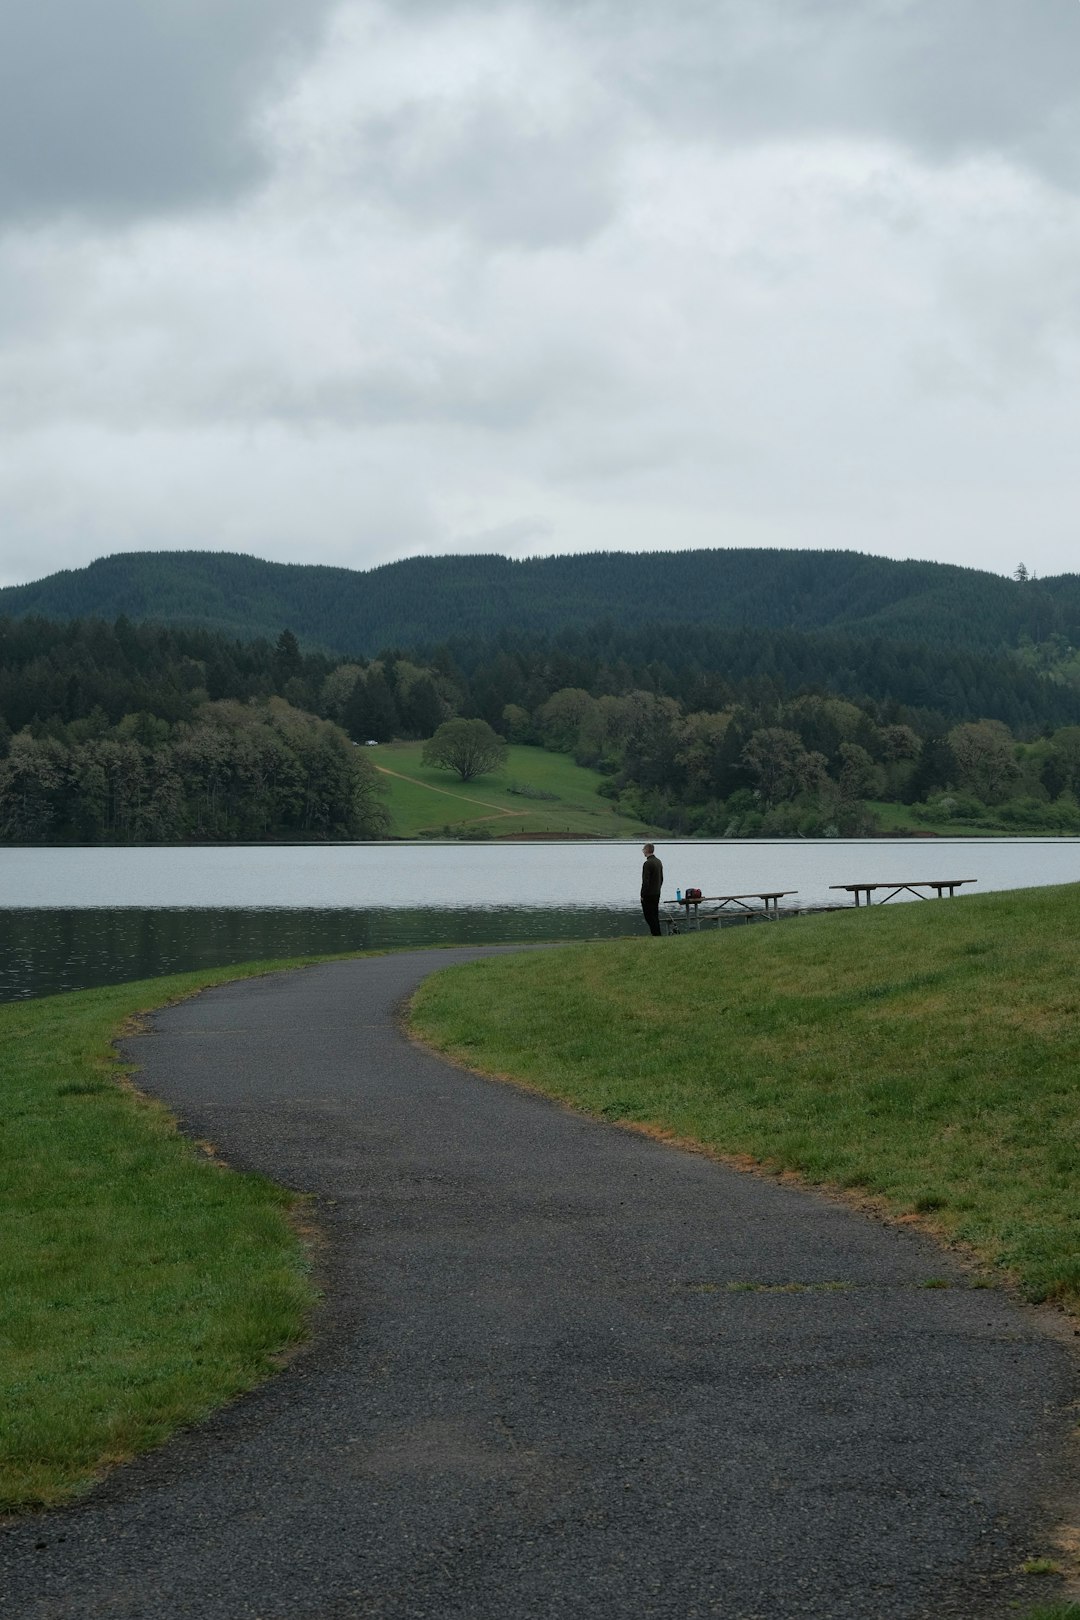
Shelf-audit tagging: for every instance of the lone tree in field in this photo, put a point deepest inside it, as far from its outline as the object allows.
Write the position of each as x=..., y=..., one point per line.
x=469, y=747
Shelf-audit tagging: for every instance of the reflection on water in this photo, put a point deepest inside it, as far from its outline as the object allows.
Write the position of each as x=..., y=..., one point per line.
x=44, y=951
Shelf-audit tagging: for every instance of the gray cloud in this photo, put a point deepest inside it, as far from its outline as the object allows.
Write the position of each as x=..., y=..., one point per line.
x=130, y=106
x=558, y=275
x=126, y=107
x=947, y=77
x=494, y=124
x=479, y=169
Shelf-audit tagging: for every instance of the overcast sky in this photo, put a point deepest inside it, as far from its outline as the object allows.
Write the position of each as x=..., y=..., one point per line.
x=349, y=282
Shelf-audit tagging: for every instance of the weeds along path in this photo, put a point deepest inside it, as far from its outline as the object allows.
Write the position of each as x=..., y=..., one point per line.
x=561, y=1370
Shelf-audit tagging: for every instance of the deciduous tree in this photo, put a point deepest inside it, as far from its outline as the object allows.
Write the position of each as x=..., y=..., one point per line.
x=469, y=747
x=985, y=757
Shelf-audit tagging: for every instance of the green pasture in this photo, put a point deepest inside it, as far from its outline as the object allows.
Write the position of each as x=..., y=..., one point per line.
x=141, y=1283
x=926, y=1057
x=537, y=793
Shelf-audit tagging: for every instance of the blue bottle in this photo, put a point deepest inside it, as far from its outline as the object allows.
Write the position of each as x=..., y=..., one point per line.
x=678, y=894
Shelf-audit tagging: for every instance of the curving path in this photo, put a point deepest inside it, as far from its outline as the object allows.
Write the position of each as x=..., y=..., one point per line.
x=532, y=1392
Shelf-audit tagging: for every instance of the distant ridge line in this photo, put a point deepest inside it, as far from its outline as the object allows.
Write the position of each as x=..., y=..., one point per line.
x=420, y=601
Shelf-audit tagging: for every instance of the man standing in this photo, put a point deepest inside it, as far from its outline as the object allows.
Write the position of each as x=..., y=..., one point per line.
x=652, y=881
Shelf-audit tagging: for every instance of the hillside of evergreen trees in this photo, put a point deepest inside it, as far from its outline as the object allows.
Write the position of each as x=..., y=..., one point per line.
x=426, y=599
x=124, y=732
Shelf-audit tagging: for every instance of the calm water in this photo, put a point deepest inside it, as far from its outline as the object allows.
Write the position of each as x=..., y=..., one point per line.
x=71, y=918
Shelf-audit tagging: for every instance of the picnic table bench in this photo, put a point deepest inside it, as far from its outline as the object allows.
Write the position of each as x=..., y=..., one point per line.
x=727, y=905
x=915, y=887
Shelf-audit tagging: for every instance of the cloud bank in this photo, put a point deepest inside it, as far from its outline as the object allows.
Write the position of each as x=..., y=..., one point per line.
x=539, y=277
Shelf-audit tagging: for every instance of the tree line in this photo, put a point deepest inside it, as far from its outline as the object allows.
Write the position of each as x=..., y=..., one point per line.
x=137, y=732
x=123, y=734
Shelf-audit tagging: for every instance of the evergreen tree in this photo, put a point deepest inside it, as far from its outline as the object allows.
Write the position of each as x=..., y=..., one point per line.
x=422, y=709
x=288, y=659
x=370, y=715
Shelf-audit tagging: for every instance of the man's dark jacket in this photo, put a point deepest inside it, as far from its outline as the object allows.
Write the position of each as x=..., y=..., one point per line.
x=652, y=878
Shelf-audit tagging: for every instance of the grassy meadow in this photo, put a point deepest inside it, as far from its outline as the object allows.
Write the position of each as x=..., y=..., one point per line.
x=923, y=1056
x=537, y=793
x=141, y=1283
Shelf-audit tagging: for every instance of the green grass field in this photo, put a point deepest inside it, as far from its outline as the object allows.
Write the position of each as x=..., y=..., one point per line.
x=141, y=1283
x=425, y=800
x=924, y=1057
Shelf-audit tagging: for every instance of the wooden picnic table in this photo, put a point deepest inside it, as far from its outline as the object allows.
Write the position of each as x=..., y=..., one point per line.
x=731, y=905
x=915, y=887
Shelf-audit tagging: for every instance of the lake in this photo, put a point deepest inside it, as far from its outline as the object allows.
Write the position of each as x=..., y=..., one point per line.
x=73, y=918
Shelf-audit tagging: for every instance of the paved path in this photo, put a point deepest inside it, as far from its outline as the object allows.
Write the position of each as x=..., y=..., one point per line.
x=532, y=1392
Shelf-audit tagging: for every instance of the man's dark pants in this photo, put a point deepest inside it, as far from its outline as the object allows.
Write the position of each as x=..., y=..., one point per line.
x=650, y=910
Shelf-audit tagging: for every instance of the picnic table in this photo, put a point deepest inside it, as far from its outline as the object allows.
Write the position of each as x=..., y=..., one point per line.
x=915, y=887
x=727, y=905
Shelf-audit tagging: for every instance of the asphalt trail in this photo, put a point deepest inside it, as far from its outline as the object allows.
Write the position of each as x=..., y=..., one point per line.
x=532, y=1391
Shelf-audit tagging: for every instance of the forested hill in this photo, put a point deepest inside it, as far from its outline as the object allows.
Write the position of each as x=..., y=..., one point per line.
x=426, y=599
x=140, y=732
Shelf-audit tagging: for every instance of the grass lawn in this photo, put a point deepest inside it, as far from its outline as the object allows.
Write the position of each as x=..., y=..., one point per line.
x=436, y=801
x=141, y=1284
x=927, y=1057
